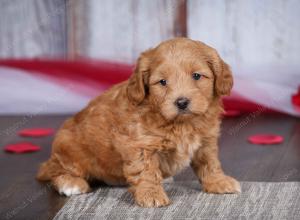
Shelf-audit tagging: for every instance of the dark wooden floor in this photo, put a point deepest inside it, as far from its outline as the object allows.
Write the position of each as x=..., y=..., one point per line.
x=22, y=197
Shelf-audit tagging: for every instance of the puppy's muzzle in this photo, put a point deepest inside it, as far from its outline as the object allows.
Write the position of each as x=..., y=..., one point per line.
x=182, y=103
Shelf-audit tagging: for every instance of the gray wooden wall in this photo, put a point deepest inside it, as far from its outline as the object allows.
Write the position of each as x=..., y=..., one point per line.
x=246, y=33
x=33, y=28
x=106, y=29
x=249, y=33
x=120, y=30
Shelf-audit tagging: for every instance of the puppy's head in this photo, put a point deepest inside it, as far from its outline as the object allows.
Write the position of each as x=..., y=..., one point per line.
x=179, y=78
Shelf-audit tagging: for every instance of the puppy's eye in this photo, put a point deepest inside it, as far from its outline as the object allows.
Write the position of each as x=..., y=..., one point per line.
x=196, y=76
x=163, y=82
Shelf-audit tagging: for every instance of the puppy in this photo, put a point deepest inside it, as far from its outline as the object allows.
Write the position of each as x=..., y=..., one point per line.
x=164, y=118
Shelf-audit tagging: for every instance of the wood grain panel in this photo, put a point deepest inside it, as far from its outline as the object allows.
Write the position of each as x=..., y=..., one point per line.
x=249, y=33
x=120, y=30
x=107, y=29
x=32, y=28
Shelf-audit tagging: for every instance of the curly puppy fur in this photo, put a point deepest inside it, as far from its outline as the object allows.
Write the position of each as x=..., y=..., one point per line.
x=164, y=118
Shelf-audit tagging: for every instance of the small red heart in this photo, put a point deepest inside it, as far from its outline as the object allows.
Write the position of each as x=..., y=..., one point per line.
x=36, y=132
x=265, y=139
x=22, y=147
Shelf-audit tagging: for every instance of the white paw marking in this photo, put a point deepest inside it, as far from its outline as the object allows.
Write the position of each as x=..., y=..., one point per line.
x=168, y=180
x=69, y=190
x=238, y=187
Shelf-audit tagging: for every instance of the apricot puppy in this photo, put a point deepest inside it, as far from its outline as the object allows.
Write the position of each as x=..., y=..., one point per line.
x=164, y=118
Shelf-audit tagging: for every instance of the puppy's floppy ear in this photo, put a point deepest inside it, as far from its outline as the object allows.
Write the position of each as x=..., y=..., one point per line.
x=223, y=75
x=138, y=83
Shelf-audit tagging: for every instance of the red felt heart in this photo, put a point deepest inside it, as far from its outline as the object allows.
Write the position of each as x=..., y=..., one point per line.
x=22, y=147
x=265, y=139
x=231, y=113
x=36, y=132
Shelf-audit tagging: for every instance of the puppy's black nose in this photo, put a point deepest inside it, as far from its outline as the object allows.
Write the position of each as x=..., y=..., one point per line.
x=182, y=103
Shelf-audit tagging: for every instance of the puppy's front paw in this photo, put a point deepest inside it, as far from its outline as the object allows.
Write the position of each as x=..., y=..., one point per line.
x=221, y=184
x=68, y=185
x=151, y=197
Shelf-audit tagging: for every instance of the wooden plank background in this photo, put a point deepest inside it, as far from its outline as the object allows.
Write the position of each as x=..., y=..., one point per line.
x=33, y=28
x=120, y=30
x=107, y=29
x=246, y=33
x=249, y=33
